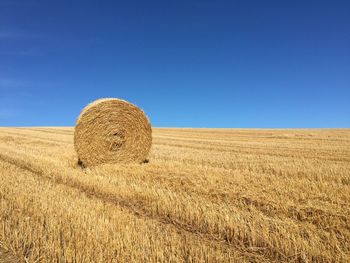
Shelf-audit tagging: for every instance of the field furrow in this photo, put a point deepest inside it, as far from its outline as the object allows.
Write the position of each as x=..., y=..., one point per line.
x=139, y=204
x=249, y=195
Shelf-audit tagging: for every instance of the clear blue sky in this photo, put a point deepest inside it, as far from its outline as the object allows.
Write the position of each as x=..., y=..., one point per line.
x=186, y=63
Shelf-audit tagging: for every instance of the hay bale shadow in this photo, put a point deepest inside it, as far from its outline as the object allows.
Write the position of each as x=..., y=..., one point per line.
x=81, y=164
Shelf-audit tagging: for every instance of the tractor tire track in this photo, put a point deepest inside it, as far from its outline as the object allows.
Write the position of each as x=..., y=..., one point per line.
x=268, y=254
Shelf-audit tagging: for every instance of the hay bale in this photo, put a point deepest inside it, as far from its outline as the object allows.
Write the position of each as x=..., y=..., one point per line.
x=112, y=131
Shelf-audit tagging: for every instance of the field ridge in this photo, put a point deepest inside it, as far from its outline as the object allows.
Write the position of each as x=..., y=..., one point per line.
x=206, y=195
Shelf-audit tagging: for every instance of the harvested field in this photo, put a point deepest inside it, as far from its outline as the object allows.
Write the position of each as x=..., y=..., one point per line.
x=207, y=195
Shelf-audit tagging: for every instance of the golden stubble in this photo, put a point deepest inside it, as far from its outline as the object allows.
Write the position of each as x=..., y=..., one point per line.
x=207, y=195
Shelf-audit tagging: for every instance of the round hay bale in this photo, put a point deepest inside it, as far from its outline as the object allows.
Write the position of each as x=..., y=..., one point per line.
x=112, y=131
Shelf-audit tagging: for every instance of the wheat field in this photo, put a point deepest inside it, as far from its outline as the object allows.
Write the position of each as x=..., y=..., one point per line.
x=206, y=195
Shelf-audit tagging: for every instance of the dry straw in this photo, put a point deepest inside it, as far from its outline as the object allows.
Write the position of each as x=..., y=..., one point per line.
x=112, y=131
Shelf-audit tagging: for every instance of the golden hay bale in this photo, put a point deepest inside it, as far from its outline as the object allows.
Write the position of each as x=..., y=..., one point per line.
x=112, y=131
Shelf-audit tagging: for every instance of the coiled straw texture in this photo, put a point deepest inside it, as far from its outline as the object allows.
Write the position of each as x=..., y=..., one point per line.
x=112, y=131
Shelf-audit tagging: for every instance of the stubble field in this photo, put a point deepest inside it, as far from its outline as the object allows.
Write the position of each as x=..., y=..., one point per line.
x=206, y=195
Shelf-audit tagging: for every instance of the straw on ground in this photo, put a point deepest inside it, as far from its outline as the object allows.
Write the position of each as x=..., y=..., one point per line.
x=205, y=196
